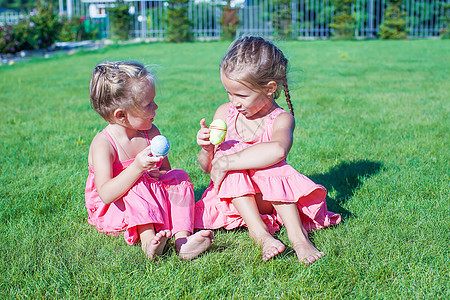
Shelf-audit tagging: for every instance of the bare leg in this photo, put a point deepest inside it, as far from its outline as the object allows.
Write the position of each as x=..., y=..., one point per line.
x=189, y=246
x=305, y=250
x=152, y=243
x=247, y=208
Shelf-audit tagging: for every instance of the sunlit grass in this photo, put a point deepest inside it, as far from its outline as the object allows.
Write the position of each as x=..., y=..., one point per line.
x=371, y=126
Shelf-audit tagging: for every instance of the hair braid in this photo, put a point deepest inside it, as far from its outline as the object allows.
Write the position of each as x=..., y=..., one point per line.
x=288, y=96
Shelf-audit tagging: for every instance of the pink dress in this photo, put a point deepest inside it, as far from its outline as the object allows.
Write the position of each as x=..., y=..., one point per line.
x=279, y=182
x=167, y=202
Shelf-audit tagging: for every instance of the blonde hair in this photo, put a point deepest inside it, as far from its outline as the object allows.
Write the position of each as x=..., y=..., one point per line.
x=116, y=85
x=255, y=61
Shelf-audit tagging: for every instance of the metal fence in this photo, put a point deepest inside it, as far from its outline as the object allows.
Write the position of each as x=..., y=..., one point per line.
x=149, y=17
x=311, y=19
x=306, y=19
x=10, y=17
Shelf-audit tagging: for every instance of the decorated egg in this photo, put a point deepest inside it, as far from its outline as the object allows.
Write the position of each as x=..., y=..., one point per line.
x=160, y=146
x=218, y=130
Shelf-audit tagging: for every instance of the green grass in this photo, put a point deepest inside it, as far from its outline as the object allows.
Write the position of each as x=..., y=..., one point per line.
x=372, y=127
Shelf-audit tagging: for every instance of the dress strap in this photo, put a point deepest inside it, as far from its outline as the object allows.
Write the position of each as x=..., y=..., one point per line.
x=273, y=115
x=146, y=137
x=231, y=113
x=111, y=141
x=270, y=120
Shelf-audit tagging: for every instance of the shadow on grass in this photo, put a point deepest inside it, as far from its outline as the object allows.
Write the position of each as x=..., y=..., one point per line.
x=345, y=179
x=198, y=191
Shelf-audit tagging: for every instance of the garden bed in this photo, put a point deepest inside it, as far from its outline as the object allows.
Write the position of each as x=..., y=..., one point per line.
x=56, y=48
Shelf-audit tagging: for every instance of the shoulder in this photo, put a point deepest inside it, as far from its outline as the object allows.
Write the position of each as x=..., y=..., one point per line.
x=284, y=120
x=101, y=147
x=100, y=140
x=152, y=132
x=221, y=112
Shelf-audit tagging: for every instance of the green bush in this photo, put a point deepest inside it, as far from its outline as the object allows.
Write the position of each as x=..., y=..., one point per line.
x=178, y=24
x=46, y=26
x=25, y=36
x=7, y=42
x=229, y=21
x=344, y=22
x=282, y=19
x=42, y=28
x=394, y=25
x=445, y=32
x=38, y=31
x=78, y=29
x=120, y=20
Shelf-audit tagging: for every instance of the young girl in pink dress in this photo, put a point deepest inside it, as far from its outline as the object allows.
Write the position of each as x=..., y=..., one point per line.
x=251, y=183
x=129, y=190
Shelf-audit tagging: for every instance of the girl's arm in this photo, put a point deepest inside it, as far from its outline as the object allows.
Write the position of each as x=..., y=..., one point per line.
x=111, y=188
x=206, y=155
x=261, y=155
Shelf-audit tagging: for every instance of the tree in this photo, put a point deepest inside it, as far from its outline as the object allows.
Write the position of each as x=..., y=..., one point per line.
x=344, y=22
x=230, y=21
x=445, y=32
x=394, y=25
x=120, y=20
x=178, y=24
x=282, y=18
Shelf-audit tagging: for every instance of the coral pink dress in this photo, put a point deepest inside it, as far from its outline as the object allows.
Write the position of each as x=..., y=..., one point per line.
x=279, y=182
x=167, y=202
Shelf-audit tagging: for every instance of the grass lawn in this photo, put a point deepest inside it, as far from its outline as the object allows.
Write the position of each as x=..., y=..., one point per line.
x=372, y=126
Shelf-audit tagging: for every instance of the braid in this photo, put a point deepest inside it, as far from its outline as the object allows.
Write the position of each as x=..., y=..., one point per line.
x=288, y=96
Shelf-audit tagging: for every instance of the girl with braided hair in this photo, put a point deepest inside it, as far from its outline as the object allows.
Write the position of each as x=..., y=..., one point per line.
x=251, y=183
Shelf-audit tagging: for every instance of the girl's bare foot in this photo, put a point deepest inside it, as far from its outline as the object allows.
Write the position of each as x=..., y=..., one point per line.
x=156, y=246
x=270, y=246
x=306, y=252
x=191, y=246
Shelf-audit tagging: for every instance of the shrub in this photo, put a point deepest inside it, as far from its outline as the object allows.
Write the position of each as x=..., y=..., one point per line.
x=230, y=22
x=344, y=22
x=41, y=29
x=394, y=25
x=7, y=42
x=78, y=29
x=120, y=20
x=38, y=31
x=46, y=27
x=445, y=32
x=282, y=19
x=25, y=36
x=178, y=24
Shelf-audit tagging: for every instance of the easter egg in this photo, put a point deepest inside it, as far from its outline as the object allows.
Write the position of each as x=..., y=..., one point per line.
x=218, y=130
x=160, y=146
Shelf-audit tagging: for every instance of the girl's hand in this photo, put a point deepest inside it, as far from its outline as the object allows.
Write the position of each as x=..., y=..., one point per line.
x=218, y=171
x=203, y=137
x=154, y=173
x=146, y=162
